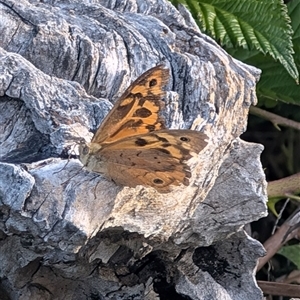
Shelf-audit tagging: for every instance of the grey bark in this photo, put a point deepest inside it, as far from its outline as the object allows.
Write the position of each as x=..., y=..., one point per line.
x=68, y=234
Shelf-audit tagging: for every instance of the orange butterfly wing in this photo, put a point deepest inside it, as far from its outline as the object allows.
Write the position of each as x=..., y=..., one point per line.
x=137, y=111
x=157, y=159
x=132, y=146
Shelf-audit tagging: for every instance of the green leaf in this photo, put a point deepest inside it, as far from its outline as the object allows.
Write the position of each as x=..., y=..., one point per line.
x=292, y=253
x=294, y=13
x=275, y=83
x=263, y=25
x=271, y=205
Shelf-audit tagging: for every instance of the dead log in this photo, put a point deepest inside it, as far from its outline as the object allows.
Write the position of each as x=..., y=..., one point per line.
x=68, y=234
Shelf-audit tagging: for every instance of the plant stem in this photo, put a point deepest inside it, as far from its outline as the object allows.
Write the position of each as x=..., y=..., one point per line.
x=284, y=187
x=275, y=119
x=288, y=230
x=279, y=289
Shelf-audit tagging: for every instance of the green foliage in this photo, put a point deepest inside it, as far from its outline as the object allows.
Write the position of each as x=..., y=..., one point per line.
x=250, y=29
x=263, y=25
x=276, y=83
x=271, y=205
x=291, y=253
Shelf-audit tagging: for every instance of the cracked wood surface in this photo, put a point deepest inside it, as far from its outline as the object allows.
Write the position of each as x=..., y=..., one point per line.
x=66, y=233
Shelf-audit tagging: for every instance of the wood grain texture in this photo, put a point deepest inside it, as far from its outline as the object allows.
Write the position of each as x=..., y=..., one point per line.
x=67, y=233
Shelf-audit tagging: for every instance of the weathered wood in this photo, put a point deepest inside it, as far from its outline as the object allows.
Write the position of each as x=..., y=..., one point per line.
x=69, y=234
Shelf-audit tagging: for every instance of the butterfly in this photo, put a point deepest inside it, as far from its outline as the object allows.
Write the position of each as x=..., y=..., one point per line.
x=133, y=147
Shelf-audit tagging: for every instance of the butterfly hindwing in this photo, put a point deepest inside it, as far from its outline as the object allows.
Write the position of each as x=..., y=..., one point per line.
x=157, y=159
x=160, y=180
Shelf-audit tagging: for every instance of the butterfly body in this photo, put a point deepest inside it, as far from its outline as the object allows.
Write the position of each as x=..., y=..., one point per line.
x=132, y=146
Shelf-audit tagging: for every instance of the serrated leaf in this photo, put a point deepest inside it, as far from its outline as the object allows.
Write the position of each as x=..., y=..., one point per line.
x=292, y=253
x=252, y=24
x=275, y=83
x=294, y=13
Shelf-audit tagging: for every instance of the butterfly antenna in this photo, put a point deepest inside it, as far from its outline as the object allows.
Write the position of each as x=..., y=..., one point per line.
x=69, y=158
x=73, y=176
x=95, y=188
x=62, y=167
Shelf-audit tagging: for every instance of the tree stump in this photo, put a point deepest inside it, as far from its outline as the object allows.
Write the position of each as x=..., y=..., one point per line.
x=70, y=234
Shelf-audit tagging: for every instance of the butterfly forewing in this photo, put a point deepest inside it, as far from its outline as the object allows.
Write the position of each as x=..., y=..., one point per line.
x=138, y=110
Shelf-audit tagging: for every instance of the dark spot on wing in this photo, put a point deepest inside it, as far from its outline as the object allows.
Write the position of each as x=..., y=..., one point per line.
x=142, y=113
x=158, y=181
x=162, y=139
x=137, y=123
x=150, y=127
x=188, y=173
x=137, y=95
x=141, y=142
x=142, y=101
x=163, y=150
x=166, y=145
x=186, y=181
x=184, y=139
x=152, y=83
